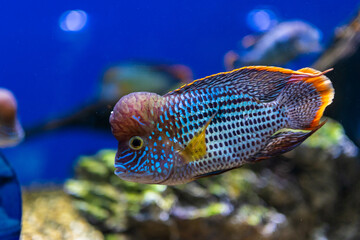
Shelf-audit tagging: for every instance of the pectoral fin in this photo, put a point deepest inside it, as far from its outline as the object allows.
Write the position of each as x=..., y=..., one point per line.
x=196, y=148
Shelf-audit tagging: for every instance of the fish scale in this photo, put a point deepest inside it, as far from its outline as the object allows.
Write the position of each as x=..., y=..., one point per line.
x=217, y=123
x=235, y=134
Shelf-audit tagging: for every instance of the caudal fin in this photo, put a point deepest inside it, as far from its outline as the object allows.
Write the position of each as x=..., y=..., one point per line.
x=305, y=96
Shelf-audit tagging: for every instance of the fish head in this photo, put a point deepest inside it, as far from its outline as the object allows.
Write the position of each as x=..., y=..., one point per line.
x=144, y=155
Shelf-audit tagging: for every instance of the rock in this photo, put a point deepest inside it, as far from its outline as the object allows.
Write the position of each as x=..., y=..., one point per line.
x=49, y=214
x=308, y=193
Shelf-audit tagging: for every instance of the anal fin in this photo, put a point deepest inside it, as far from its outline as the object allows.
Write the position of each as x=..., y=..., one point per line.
x=283, y=141
x=217, y=172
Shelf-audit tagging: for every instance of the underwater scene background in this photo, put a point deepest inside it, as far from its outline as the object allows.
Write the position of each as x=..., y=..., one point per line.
x=68, y=62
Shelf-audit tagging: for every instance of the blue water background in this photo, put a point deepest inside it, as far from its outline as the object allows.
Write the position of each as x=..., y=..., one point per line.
x=51, y=71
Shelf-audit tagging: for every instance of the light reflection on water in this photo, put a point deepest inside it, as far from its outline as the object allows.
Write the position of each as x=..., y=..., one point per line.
x=73, y=20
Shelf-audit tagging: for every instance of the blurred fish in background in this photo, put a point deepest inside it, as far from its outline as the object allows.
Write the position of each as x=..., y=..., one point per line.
x=277, y=43
x=11, y=133
x=343, y=54
x=133, y=76
x=119, y=80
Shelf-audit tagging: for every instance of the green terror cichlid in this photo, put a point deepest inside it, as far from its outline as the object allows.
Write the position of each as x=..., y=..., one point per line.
x=217, y=123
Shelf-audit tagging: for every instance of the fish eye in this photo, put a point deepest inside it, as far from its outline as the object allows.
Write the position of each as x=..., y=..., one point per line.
x=136, y=142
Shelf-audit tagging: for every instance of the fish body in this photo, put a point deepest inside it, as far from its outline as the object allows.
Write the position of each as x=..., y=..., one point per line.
x=279, y=45
x=217, y=123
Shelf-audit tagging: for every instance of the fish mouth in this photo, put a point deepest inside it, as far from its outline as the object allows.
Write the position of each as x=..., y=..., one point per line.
x=122, y=172
x=120, y=169
x=137, y=178
x=125, y=174
x=140, y=177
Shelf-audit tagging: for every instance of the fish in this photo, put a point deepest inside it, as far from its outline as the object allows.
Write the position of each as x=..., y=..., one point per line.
x=280, y=45
x=11, y=131
x=217, y=123
x=132, y=76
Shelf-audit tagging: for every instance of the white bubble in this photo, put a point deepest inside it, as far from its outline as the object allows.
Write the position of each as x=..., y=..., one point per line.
x=73, y=20
x=261, y=20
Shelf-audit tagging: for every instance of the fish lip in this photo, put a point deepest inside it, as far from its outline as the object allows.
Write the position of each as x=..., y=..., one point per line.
x=134, y=177
x=122, y=172
x=120, y=169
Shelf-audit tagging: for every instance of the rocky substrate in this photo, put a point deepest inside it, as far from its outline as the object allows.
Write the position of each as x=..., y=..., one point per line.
x=49, y=214
x=312, y=192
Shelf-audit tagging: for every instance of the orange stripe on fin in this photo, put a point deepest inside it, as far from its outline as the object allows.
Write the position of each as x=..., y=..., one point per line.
x=259, y=68
x=322, y=85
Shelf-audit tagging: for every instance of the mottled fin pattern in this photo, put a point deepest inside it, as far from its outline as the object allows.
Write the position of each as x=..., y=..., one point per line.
x=261, y=82
x=283, y=141
x=305, y=98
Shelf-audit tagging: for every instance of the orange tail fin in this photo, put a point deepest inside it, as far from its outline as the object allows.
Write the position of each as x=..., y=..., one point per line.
x=307, y=95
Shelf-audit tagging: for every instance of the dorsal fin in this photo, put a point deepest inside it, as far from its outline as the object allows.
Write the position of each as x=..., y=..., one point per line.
x=262, y=82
